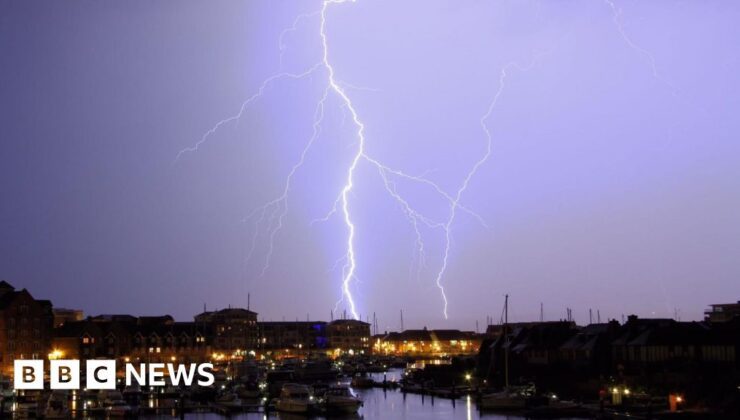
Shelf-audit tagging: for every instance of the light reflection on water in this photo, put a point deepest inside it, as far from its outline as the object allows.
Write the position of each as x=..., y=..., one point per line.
x=391, y=405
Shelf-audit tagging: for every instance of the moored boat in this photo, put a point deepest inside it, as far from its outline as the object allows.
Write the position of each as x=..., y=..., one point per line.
x=57, y=406
x=340, y=400
x=504, y=400
x=362, y=381
x=295, y=398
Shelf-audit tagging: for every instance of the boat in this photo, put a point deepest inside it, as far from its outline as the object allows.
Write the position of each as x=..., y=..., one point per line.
x=340, y=400
x=248, y=393
x=295, y=398
x=504, y=400
x=230, y=400
x=362, y=381
x=115, y=405
x=119, y=408
x=57, y=406
x=275, y=379
x=558, y=409
x=316, y=370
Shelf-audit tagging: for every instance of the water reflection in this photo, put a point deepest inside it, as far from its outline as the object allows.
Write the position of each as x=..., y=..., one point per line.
x=391, y=404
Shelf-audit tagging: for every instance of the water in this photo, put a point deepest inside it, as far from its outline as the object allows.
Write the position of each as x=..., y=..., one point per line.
x=390, y=405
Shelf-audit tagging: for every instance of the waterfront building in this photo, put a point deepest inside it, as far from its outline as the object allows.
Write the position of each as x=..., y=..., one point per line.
x=429, y=343
x=294, y=335
x=722, y=312
x=589, y=350
x=25, y=326
x=666, y=345
x=62, y=315
x=127, y=338
x=644, y=350
x=348, y=335
x=235, y=330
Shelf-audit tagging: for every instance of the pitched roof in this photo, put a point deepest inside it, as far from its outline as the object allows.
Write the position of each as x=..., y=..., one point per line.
x=348, y=321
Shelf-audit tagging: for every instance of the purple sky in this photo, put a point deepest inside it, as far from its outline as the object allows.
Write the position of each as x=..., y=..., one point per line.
x=613, y=183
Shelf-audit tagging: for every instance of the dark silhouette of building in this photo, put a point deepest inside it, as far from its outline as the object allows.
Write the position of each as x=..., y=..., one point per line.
x=234, y=329
x=62, y=315
x=299, y=335
x=662, y=355
x=722, y=312
x=127, y=338
x=25, y=326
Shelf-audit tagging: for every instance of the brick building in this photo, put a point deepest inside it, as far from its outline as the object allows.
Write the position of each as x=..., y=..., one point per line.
x=25, y=326
x=349, y=334
x=234, y=329
x=299, y=335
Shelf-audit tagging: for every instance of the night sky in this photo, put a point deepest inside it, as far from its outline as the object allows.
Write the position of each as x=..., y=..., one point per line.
x=613, y=181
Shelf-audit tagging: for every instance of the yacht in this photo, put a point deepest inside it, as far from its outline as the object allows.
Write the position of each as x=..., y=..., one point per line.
x=504, y=400
x=362, y=381
x=340, y=400
x=115, y=405
x=229, y=399
x=295, y=398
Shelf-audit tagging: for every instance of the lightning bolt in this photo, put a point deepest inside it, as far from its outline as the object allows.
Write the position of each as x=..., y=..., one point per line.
x=273, y=212
x=245, y=105
x=617, y=19
x=280, y=204
x=342, y=201
x=351, y=265
x=269, y=218
x=455, y=204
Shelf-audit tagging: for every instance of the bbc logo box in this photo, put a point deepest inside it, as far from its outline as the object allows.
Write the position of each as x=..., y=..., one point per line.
x=64, y=374
x=101, y=374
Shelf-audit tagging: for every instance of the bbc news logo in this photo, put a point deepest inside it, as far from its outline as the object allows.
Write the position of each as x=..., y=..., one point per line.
x=101, y=374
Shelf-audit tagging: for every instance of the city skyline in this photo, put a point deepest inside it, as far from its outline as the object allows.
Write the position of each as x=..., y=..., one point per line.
x=570, y=315
x=127, y=186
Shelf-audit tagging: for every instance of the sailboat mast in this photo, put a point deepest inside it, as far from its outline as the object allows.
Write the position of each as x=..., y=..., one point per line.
x=506, y=341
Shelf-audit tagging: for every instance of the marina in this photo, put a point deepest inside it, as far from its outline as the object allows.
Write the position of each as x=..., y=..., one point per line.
x=386, y=395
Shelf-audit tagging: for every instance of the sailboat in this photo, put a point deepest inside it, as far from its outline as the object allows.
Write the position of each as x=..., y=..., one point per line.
x=510, y=398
